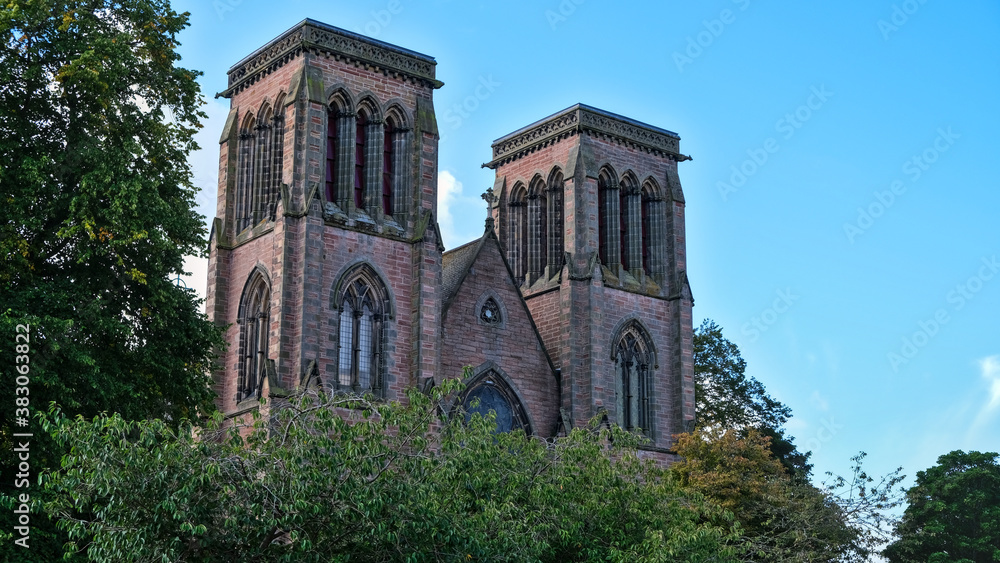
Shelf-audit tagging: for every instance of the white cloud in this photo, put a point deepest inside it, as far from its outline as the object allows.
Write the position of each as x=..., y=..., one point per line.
x=449, y=191
x=452, y=204
x=989, y=368
x=198, y=279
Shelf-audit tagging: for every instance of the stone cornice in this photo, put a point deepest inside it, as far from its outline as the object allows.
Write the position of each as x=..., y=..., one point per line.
x=583, y=118
x=316, y=36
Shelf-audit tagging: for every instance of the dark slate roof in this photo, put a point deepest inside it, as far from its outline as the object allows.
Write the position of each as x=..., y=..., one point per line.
x=455, y=264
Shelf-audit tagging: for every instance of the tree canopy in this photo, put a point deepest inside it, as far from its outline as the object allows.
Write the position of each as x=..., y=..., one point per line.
x=342, y=478
x=96, y=122
x=953, y=514
x=782, y=519
x=740, y=458
x=726, y=398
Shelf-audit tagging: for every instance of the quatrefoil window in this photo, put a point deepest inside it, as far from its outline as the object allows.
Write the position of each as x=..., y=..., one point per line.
x=490, y=313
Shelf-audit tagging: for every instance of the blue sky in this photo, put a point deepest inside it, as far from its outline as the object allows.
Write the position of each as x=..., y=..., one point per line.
x=842, y=200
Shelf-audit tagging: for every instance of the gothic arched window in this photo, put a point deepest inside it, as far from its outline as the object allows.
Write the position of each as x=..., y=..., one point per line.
x=332, y=155
x=608, y=218
x=491, y=394
x=272, y=184
x=490, y=313
x=245, y=173
x=629, y=223
x=362, y=302
x=537, y=211
x=632, y=354
x=262, y=164
x=387, y=169
x=340, y=147
x=394, y=162
x=254, y=320
x=555, y=212
x=360, y=140
x=652, y=228
x=517, y=246
x=258, y=166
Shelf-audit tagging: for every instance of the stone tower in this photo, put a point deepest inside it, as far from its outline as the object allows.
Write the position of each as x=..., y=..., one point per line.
x=325, y=255
x=590, y=215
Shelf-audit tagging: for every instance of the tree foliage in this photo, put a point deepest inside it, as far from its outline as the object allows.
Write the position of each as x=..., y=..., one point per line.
x=782, y=519
x=741, y=459
x=342, y=478
x=953, y=514
x=726, y=398
x=96, y=122
x=866, y=504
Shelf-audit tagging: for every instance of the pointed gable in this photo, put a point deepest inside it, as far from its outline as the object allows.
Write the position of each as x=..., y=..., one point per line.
x=486, y=325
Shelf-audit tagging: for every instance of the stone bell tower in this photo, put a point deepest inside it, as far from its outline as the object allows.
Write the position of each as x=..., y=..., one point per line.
x=325, y=255
x=591, y=216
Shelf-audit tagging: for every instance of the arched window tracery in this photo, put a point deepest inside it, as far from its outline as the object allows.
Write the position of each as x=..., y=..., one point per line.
x=254, y=320
x=537, y=234
x=608, y=218
x=630, y=224
x=245, y=159
x=363, y=305
x=259, y=158
x=632, y=355
x=490, y=394
x=360, y=154
x=395, y=141
x=653, y=229
x=556, y=249
x=517, y=245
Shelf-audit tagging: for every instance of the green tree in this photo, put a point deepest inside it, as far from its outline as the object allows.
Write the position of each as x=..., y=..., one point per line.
x=96, y=122
x=866, y=504
x=953, y=514
x=342, y=478
x=782, y=519
x=726, y=398
x=741, y=447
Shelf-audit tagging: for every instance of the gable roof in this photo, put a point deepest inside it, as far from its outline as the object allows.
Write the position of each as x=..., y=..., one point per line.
x=455, y=266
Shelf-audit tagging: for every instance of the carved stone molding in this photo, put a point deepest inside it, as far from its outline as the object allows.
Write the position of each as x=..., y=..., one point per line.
x=313, y=35
x=582, y=118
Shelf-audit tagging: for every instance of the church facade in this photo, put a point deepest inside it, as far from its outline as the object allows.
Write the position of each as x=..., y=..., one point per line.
x=326, y=262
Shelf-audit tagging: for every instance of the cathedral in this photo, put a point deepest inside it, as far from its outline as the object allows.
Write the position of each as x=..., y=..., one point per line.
x=326, y=261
